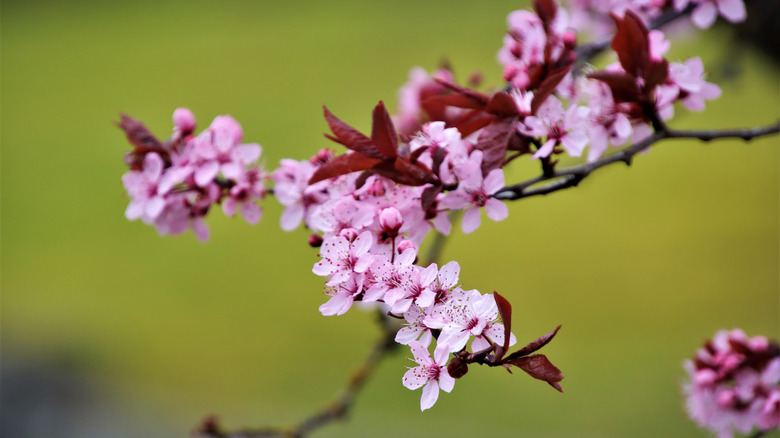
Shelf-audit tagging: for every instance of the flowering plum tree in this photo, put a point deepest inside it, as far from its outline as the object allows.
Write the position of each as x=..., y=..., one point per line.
x=440, y=157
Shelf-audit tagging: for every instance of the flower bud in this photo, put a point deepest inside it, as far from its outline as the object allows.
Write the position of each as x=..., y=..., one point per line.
x=457, y=368
x=321, y=157
x=315, y=241
x=184, y=121
x=349, y=233
x=404, y=245
x=569, y=39
x=390, y=220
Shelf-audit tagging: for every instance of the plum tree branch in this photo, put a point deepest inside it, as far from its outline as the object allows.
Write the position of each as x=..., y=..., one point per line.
x=572, y=176
x=336, y=410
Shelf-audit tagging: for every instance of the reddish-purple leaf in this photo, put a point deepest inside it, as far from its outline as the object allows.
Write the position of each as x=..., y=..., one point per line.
x=502, y=104
x=456, y=100
x=403, y=171
x=493, y=142
x=429, y=196
x=342, y=165
x=351, y=137
x=137, y=134
x=547, y=87
x=472, y=122
x=505, y=310
x=656, y=74
x=475, y=95
x=631, y=43
x=383, y=132
x=546, y=10
x=438, y=157
x=539, y=367
x=623, y=85
x=533, y=346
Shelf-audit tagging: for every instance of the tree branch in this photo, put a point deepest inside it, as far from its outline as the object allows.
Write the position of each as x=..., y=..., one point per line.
x=571, y=177
x=336, y=410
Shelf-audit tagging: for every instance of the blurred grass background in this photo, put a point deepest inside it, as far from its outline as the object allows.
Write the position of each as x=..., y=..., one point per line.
x=640, y=265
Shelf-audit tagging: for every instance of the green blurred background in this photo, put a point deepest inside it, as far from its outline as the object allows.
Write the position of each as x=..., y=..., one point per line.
x=639, y=264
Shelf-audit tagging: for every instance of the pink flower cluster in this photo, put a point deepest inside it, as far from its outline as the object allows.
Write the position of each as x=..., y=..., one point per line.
x=369, y=240
x=593, y=15
x=174, y=184
x=734, y=384
x=585, y=110
x=370, y=208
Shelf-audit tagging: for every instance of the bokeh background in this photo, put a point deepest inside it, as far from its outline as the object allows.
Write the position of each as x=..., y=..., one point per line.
x=110, y=330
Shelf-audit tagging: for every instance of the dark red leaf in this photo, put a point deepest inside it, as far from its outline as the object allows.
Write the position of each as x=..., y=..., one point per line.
x=502, y=104
x=534, y=346
x=547, y=87
x=429, y=196
x=383, y=132
x=403, y=171
x=505, y=310
x=473, y=122
x=539, y=367
x=342, y=165
x=493, y=142
x=656, y=74
x=351, y=137
x=631, y=43
x=623, y=85
x=438, y=157
x=475, y=95
x=137, y=134
x=456, y=100
x=546, y=10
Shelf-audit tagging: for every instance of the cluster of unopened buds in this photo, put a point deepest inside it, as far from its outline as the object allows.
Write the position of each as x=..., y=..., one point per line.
x=734, y=384
x=370, y=208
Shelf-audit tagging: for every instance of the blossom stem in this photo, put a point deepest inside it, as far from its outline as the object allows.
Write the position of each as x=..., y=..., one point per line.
x=571, y=177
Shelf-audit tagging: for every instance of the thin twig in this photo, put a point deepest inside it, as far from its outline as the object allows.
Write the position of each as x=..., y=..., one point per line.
x=571, y=177
x=336, y=410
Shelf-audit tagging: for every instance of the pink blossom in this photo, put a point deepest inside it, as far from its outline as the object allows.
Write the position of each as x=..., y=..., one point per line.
x=248, y=189
x=342, y=296
x=470, y=315
x=430, y=374
x=416, y=330
x=557, y=126
x=706, y=11
x=341, y=259
x=392, y=278
x=217, y=150
x=143, y=186
x=733, y=384
x=473, y=193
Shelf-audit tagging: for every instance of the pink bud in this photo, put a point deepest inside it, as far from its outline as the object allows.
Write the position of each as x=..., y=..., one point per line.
x=404, y=245
x=390, y=220
x=315, y=241
x=759, y=344
x=322, y=157
x=727, y=398
x=569, y=39
x=184, y=120
x=510, y=71
x=349, y=233
x=704, y=377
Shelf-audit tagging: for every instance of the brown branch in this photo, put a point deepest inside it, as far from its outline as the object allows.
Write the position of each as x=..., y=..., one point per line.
x=336, y=410
x=571, y=177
